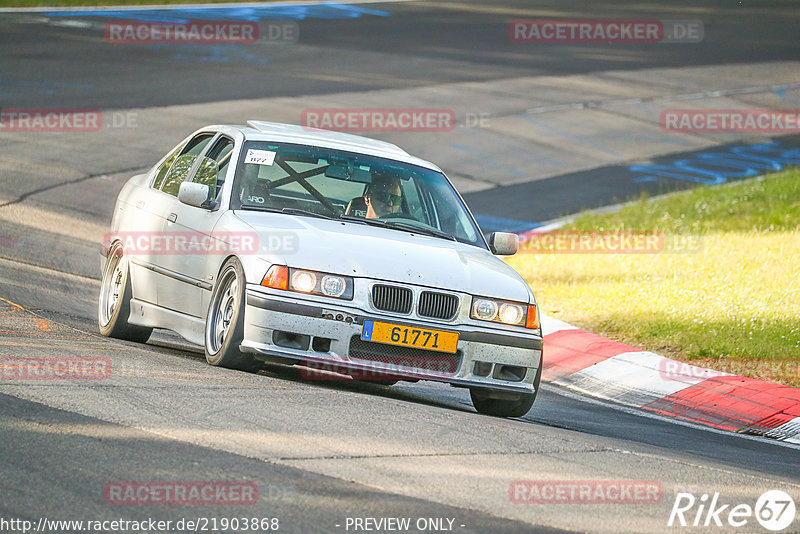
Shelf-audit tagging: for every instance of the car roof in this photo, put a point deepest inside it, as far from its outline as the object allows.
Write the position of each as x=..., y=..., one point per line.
x=292, y=133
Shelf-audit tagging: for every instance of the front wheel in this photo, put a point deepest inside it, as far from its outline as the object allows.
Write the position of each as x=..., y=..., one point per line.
x=505, y=405
x=114, y=305
x=485, y=404
x=225, y=321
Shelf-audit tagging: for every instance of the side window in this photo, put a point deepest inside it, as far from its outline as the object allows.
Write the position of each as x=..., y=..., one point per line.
x=212, y=171
x=179, y=169
x=196, y=145
x=162, y=171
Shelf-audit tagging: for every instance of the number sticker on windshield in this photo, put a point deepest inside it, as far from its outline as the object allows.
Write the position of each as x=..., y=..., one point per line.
x=260, y=157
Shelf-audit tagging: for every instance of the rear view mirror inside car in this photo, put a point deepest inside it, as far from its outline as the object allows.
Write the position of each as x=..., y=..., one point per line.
x=351, y=174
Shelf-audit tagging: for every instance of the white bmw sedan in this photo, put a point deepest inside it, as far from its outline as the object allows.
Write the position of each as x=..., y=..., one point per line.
x=345, y=255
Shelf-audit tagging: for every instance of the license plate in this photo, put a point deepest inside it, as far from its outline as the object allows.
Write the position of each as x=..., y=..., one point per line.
x=409, y=336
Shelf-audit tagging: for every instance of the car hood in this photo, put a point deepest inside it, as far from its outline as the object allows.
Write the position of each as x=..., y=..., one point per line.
x=360, y=250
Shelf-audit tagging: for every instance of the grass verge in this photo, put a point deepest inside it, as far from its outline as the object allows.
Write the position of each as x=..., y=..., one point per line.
x=733, y=306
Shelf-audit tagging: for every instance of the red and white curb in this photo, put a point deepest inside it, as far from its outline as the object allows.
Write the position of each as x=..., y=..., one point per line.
x=607, y=369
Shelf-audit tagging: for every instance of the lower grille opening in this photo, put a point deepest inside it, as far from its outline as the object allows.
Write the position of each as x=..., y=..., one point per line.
x=405, y=358
x=290, y=340
x=482, y=368
x=321, y=344
x=512, y=373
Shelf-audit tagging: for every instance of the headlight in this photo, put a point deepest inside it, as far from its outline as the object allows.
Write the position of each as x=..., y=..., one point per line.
x=500, y=311
x=303, y=281
x=511, y=313
x=313, y=282
x=333, y=286
x=485, y=310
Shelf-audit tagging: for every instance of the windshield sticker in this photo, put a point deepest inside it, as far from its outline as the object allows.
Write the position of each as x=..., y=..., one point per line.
x=260, y=157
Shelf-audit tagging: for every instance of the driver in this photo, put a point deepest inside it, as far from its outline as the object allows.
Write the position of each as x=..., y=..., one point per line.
x=383, y=196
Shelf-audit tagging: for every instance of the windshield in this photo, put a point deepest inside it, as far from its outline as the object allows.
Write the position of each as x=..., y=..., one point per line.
x=338, y=184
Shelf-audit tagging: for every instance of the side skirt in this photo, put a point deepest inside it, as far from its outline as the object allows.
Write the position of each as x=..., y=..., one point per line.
x=145, y=314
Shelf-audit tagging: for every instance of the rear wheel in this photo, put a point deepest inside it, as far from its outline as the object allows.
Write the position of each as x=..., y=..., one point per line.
x=225, y=321
x=114, y=305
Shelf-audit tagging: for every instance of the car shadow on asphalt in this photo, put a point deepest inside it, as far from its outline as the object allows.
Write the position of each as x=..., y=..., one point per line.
x=167, y=343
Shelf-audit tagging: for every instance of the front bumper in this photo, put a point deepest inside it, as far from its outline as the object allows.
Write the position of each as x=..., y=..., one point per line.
x=320, y=334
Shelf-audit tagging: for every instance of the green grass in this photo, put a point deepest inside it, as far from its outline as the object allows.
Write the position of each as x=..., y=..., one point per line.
x=92, y=3
x=733, y=306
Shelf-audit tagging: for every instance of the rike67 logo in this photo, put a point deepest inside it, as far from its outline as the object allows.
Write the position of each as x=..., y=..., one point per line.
x=774, y=510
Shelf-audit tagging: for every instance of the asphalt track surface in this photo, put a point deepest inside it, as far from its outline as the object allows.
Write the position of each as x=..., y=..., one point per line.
x=321, y=452
x=471, y=37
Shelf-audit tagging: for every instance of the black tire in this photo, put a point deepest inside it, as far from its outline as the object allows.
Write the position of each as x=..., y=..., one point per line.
x=485, y=404
x=114, y=303
x=224, y=328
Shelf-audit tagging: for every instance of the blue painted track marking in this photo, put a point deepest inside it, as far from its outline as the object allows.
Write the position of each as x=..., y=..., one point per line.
x=182, y=15
x=712, y=168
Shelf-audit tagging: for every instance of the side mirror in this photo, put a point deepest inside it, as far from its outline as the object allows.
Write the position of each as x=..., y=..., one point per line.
x=194, y=194
x=503, y=243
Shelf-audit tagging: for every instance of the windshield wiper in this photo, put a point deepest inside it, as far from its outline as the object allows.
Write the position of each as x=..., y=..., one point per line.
x=362, y=220
x=260, y=208
x=419, y=229
x=298, y=211
x=288, y=211
x=398, y=225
